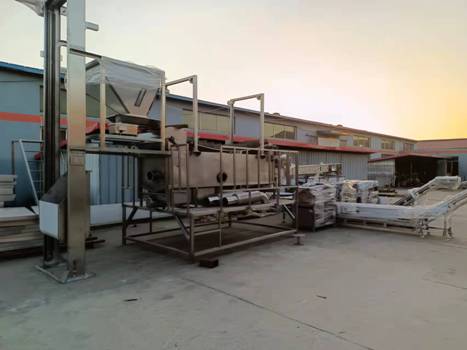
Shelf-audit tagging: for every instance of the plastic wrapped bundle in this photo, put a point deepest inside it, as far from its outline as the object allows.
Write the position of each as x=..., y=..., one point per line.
x=347, y=193
x=359, y=191
x=322, y=198
x=447, y=182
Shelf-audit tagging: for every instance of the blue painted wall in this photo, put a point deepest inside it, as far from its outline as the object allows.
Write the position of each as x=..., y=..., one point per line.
x=19, y=93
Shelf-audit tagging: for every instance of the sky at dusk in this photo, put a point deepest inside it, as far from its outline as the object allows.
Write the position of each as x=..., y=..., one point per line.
x=396, y=67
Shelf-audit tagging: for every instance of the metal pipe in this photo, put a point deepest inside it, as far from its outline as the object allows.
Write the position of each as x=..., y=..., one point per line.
x=231, y=104
x=246, y=169
x=179, y=81
x=249, y=97
x=102, y=108
x=234, y=164
x=193, y=79
x=28, y=171
x=213, y=201
x=220, y=213
x=261, y=124
x=192, y=237
x=163, y=113
x=231, y=122
x=245, y=197
x=194, y=82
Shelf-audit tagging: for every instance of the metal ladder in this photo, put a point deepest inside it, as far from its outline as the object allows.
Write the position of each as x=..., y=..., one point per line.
x=34, y=167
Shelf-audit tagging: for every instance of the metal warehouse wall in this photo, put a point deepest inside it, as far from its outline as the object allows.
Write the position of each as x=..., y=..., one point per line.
x=354, y=165
x=245, y=125
x=19, y=93
x=384, y=172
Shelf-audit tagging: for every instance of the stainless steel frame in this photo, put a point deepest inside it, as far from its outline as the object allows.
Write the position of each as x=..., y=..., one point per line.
x=77, y=188
x=231, y=104
x=193, y=79
x=212, y=224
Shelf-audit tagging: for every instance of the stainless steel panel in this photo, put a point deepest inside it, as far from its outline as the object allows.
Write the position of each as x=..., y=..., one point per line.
x=203, y=170
x=78, y=189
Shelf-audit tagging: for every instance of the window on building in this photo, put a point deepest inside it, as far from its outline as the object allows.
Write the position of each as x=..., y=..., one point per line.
x=361, y=141
x=313, y=139
x=343, y=142
x=387, y=144
x=409, y=147
x=208, y=122
x=279, y=131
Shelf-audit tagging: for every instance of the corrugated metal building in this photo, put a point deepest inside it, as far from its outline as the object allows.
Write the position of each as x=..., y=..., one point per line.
x=20, y=118
x=406, y=169
x=455, y=150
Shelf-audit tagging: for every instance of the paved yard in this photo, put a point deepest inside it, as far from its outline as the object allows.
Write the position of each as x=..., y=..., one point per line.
x=343, y=289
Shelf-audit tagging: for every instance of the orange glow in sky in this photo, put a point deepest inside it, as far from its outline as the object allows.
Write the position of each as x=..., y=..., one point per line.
x=396, y=67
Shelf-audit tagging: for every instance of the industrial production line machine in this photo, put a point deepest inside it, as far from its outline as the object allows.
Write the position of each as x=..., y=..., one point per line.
x=207, y=189
x=236, y=186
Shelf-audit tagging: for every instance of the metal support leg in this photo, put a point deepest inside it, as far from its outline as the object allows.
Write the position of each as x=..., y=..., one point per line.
x=124, y=225
x=150, y=220
x=449, y=222
x=445, y=226
x=192, y=239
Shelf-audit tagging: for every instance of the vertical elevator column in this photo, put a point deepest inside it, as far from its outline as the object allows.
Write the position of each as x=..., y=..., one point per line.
x=51, y=121
x=78, y=187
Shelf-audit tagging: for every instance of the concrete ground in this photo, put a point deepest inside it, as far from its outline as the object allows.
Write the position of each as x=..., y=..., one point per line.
x=343, y=289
